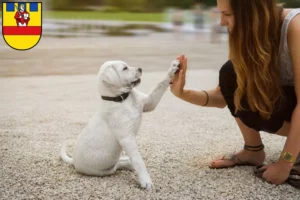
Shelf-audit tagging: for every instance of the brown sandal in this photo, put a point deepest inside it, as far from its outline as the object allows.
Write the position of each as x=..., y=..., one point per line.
x=293, y=179
x=236, y=160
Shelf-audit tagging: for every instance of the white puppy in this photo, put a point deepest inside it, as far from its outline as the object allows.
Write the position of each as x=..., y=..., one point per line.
x=114, y=127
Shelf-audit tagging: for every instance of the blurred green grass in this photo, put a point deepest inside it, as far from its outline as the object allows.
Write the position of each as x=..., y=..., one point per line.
x=94, y=15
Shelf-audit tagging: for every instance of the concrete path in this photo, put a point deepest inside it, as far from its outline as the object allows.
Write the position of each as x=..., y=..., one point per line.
x=57, y=56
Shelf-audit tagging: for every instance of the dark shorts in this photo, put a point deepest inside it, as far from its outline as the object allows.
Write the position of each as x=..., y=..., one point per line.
x=228, y=85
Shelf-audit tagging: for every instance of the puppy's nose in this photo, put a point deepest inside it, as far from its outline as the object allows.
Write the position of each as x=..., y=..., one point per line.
x=140, y=70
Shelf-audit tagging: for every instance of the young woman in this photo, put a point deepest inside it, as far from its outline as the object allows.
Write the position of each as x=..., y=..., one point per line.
x=260, y=84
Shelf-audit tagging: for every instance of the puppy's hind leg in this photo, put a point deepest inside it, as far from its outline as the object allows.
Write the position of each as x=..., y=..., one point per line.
x=109, y=171
x=124, y=163
x=105, y=172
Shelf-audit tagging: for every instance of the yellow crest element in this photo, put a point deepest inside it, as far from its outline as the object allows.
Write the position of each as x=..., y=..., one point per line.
x=22, y=24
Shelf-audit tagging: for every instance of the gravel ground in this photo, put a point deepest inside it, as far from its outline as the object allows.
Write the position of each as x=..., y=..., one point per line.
x=177, y=140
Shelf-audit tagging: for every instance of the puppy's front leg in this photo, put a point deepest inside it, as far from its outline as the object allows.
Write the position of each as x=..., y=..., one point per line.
x=155, y=96
x=131, y=149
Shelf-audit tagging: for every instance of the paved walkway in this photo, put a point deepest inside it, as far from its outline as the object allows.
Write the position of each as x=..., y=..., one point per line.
x=56, y=56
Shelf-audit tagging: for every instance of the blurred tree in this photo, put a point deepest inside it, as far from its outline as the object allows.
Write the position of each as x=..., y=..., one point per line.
x=180, y=3
x=60, y=4
x=287, y=3
x=291, y=3
x=155, y=5
x=209, y=2
x=71, y=4
x=152, y=5
x=129, y=5
x=146, y=5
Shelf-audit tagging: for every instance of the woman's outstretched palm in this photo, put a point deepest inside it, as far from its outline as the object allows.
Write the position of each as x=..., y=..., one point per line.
x=178, y=80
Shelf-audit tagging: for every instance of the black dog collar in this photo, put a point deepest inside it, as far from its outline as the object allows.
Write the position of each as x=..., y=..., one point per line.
x=120, y=98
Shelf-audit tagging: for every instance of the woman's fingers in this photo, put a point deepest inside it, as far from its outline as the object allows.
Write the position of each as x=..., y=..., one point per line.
x=179, y=57
x=180, y=77
x=184, y=65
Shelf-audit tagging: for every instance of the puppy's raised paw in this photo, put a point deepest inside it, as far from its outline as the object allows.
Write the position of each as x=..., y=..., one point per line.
x=174, y=68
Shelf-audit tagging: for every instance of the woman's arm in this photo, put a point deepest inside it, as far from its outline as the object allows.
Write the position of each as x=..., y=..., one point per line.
x=292, y=144
x=215, y=98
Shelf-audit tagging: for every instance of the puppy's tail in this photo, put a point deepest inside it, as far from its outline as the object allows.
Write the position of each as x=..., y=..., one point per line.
x=64, y=155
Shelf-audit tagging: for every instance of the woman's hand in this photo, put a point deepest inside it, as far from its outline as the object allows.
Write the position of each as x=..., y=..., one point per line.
x=178, y=80
x=277, y=173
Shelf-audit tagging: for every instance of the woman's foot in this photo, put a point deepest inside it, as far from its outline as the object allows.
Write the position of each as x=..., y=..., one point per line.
x=243, y=157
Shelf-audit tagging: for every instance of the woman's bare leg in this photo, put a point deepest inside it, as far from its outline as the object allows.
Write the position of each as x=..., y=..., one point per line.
x=251, y=138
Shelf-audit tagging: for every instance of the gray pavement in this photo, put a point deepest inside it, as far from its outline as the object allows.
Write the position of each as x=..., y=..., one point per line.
x=56, y=56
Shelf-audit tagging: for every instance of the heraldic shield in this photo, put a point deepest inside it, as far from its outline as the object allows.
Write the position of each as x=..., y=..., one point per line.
x=22, y=24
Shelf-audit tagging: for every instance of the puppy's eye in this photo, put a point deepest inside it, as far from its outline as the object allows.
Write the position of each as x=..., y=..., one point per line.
x=125, y=68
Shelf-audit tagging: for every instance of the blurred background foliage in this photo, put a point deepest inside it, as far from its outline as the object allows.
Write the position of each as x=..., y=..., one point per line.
x=134, y=5
x=139, y=5
x=292, y=3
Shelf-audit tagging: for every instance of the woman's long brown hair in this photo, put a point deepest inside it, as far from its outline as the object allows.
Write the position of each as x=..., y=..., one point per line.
x=254, y=44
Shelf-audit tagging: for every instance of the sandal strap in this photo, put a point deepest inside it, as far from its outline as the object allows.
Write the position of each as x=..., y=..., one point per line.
x=254, y=148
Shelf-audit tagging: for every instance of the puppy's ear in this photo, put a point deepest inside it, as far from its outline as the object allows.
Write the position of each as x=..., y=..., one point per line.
x=109, y=76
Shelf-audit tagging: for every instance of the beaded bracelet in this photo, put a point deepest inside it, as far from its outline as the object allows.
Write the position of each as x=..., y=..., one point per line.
x=207, y=97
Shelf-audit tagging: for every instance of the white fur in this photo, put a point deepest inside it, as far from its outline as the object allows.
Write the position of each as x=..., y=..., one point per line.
x=114, y=127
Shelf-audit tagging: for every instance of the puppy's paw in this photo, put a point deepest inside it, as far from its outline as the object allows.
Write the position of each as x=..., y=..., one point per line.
x=146, y=184
x=174, y=68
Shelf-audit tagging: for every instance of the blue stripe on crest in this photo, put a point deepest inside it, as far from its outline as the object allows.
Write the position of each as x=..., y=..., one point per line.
x=34, y=7
x=10, y=7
